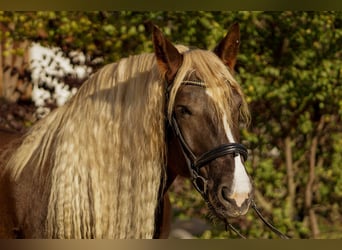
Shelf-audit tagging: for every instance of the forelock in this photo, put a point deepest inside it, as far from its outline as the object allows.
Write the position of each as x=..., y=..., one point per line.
x=210, y=70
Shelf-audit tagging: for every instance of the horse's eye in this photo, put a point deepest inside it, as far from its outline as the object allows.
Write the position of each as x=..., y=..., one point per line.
x=183, y=110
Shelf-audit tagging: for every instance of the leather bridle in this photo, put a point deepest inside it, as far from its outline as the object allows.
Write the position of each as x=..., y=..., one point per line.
x=195, y=163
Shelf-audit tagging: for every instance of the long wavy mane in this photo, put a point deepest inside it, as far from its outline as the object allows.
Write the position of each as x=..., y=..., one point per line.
x=104, y=152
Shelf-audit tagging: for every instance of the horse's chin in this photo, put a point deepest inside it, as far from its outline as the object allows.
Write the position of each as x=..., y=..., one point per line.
x=224, y=213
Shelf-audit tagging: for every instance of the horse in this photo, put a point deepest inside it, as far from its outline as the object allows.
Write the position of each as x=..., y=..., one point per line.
x=101, y=165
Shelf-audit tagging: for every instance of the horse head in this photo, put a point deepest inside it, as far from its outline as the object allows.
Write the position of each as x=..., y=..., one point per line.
x=204, y=105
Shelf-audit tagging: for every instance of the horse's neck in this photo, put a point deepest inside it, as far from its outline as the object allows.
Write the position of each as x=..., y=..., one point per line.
x=7, y=136
x=23, y=200
x=8, y=143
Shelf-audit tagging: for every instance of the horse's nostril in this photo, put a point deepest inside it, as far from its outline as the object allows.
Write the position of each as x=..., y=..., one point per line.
x=225, y=194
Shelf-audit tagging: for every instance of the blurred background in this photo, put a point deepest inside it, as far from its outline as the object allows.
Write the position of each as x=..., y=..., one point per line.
x=289, y=66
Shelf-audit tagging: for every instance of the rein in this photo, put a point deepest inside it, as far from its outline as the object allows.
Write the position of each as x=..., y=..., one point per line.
x=269, y=225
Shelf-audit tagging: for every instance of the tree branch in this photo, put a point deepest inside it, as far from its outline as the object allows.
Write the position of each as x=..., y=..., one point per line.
x=290, y=177
x=311, y=180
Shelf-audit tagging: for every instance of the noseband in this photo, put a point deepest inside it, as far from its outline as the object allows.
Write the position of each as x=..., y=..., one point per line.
x=196, y=163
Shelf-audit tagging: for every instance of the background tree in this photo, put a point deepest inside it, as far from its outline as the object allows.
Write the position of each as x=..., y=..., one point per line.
x=290, y=67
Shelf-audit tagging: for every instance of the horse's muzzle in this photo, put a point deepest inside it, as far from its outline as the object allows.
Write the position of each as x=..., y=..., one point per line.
x=236, y=204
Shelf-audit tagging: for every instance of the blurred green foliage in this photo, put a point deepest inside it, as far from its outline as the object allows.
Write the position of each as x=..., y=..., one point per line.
x=290, y=67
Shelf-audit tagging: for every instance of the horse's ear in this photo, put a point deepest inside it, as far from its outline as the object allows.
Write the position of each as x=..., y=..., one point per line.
x=228, y=48
x=168, y=58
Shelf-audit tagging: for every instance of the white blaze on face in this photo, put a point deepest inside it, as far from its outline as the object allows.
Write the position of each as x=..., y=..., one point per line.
x=241, y=186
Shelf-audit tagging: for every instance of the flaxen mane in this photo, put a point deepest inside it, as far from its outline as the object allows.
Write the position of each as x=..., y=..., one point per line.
x=106, y=154
x=105, y=150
